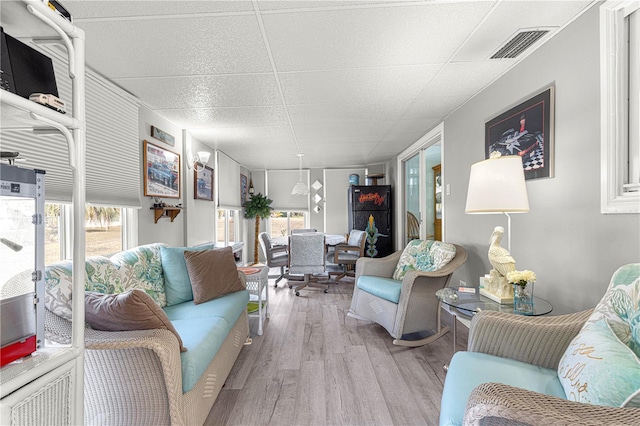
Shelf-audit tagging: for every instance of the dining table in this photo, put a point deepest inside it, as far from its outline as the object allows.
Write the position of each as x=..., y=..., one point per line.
x=330, y=239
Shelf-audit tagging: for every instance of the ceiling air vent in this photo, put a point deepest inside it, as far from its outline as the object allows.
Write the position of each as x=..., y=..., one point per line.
x=518, y=44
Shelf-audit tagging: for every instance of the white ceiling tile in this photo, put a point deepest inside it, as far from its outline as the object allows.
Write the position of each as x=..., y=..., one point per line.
x=344, y=112
x=176, y=46
x=241, y=117
x=386, y=85
x=205, y=91
x=83, y=9
x=374, y=37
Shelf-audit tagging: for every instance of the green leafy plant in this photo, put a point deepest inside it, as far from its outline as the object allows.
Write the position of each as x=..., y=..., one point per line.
x=257, y=207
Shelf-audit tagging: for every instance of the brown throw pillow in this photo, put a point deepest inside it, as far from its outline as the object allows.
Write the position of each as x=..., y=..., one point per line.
x=131, y=310
x=213, y=273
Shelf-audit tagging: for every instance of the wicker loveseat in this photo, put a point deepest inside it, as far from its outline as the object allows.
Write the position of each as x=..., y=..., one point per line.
x=141, y=377
x=576, y=369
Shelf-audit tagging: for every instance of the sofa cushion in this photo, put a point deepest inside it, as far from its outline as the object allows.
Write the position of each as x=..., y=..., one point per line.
x=176, y=277
x=597, y=368
x=467, y=370
x=385, y=288
x=213, y=273
x=204, y=337
x=102, y=276
x=230, y=307
x=140, y=267
x=423, y=255
x=131, y=310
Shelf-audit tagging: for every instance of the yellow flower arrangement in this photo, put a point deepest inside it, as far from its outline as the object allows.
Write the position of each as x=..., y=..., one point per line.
x=521, y=277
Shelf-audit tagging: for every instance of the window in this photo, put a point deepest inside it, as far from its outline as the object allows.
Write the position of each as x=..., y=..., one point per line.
x=282, y=222
x=620, y=98
x=105, y=230
x=227, y=226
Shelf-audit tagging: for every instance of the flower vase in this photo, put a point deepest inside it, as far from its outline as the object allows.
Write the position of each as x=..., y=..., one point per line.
x=523, y=298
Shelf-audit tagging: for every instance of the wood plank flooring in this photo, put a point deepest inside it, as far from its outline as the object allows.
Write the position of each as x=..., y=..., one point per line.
x=313, y=365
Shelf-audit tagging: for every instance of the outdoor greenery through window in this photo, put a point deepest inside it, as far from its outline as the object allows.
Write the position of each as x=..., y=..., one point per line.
x=227, y=226
x=283, y=222
x=103, y=235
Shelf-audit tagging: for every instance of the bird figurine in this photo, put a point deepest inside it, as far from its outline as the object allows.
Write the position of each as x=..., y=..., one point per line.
x=499, y=257
x=502, y=263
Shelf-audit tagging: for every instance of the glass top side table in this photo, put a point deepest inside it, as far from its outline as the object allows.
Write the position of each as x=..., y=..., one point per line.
x=468, y=304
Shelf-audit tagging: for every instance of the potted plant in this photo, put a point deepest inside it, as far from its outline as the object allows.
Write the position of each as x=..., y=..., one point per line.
x=258, y=206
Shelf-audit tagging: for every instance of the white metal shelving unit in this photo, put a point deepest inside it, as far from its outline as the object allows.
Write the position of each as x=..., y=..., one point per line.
x=48, y=387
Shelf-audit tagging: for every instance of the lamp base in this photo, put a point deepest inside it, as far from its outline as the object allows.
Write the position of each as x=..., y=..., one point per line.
x=500, y=300
x=505, y=297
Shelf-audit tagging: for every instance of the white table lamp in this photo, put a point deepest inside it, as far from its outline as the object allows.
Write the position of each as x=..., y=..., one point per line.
x=497, y=185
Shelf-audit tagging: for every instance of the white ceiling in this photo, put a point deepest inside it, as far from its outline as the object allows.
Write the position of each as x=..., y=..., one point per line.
x=346, y=83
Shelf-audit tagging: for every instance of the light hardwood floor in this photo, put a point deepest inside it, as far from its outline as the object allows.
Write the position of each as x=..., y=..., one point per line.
x=315, y=365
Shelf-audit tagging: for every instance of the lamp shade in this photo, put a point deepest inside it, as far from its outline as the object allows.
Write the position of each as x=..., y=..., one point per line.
x=300, y=189
x=497, y=185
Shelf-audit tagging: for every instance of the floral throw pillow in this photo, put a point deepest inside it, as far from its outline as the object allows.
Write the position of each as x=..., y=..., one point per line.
x=425, y=256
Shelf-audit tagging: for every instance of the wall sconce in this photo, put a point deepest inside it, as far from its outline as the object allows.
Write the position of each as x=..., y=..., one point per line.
x=199, y=161
x=251, y=190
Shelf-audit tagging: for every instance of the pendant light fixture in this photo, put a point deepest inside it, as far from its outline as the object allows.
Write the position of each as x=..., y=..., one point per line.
x=300, y=188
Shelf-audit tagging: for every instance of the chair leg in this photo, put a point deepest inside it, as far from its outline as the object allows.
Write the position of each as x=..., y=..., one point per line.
x=421, y=342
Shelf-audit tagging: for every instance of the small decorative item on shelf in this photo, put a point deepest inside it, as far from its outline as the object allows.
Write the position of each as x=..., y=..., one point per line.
x=522, y=282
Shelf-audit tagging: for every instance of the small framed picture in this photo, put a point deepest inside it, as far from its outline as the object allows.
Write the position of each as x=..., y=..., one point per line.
x=163, y=136
x=526, y=130
x=243, y=189
x=203, y=183
x=161, y=172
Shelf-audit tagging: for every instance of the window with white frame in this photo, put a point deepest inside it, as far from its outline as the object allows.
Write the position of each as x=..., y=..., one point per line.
x=282, y=222
x=105, y=231
x=228, y=227
x=620, y=106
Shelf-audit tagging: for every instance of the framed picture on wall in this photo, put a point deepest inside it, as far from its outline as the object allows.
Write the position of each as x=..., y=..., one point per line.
x=243, y=189
x=203, y=182
x=163, y=136
x=161, y=172
x=526, y=130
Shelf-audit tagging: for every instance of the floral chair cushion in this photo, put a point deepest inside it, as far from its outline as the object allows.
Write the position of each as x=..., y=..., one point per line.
x=601, y=365
x=423, y=255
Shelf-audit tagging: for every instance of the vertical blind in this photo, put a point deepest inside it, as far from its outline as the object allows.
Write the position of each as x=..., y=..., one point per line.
x=228, y=182
x=279, y=186
x=113, y=153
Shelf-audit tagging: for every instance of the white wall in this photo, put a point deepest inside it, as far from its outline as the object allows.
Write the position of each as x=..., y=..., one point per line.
x=572, y=247
x=336, y=183
x=199, y=215
x=164, y=231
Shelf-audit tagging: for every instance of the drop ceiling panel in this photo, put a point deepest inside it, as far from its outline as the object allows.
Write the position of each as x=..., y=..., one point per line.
x=226, y=117
x=345, y=112
x=120, y=9
x=359, y=80
x=381, y=85
x=176, y=46
x=509, y=17
x=373, y=37
x=205, y=91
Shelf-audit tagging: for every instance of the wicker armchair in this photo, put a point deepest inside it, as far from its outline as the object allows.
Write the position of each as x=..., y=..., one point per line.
x=413, y=319
x=540, y=342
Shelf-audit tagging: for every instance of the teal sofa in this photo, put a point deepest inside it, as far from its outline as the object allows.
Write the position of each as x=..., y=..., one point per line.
x=141, y=376
x=580, y=368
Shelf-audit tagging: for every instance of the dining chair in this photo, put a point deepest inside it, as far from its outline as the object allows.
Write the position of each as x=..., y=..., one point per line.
x=413, y=227
x=347, y=254
x=275, y=256
x=303, y=230
x=306, y=257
